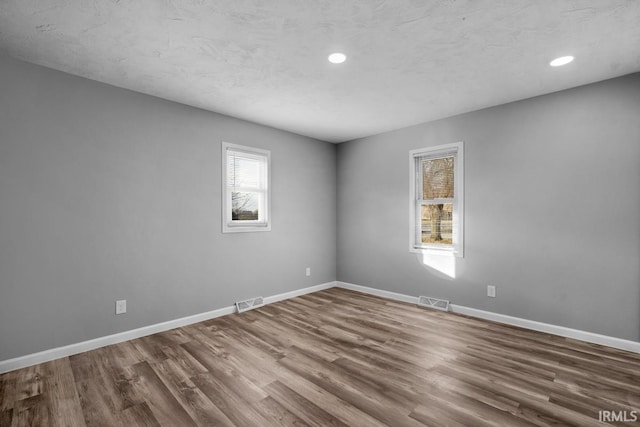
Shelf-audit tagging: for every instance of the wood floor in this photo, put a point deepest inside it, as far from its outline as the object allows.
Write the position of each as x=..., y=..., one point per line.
x=335, y=357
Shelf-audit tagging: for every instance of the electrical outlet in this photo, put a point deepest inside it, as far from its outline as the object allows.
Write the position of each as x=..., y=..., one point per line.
x=491, y=291
x=308, y=271
x=121, y=306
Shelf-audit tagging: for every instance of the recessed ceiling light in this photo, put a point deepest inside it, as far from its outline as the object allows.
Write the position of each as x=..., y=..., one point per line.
x=563, y=60
x=337, y=58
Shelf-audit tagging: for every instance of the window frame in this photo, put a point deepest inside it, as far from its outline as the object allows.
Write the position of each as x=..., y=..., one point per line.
x=242, y=226
x=415, y=227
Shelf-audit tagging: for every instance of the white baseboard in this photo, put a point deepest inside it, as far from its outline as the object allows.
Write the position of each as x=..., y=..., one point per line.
x=378, y=292
x=69, y=350
x=298, y=292
x=562, y=331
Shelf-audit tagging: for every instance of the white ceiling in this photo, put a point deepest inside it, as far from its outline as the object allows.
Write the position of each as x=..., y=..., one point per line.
x=409, y=61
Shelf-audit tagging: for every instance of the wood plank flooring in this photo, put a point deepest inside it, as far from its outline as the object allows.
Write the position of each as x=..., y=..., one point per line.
x=335, y=357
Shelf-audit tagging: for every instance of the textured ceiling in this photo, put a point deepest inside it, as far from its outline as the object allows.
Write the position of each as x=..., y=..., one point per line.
x=409, y=61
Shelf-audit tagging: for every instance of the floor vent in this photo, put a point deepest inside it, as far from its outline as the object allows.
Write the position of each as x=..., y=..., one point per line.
x=249, y=304
x=438, y=304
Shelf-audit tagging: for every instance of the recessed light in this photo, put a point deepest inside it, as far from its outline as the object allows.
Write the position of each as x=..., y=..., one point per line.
x=563, y=60
x=337, y=58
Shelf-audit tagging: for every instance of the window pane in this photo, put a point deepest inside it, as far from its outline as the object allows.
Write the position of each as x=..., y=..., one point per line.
x=437, y=178
x=245, y=206
x=243, y=171
x=436, y=221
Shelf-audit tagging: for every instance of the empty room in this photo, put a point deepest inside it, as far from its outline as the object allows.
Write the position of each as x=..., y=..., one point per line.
x=313, y=213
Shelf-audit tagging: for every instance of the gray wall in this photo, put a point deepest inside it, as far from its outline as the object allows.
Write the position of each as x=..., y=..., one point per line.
x=552, y=193
x=108, y=194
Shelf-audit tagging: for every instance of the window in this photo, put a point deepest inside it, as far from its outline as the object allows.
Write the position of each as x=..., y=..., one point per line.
x=437, y=199
x=245, y=182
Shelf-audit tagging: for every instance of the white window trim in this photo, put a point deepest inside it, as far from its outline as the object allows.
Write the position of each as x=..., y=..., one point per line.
x=457, y=249
x=245, y=226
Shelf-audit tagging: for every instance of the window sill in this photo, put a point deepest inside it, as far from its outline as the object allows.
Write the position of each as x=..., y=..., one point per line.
x=449, y=252
x=245, y=228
